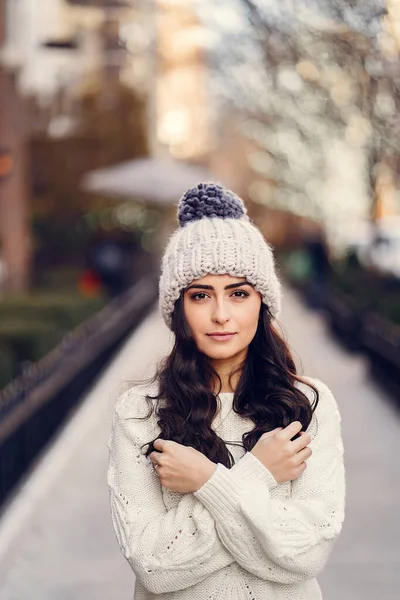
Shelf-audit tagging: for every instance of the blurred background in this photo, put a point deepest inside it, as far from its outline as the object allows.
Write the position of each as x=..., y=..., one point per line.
x=109, y=111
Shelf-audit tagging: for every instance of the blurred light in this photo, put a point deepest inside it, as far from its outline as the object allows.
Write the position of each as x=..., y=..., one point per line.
x=342, y=92
x=311, y=104
x=313, y=189
x=173, y=127
x=152, y=222
x=374, y=66
x=127, y=214
x=226, y=17
x=289, y=141
x=136, y=38
x=10, y=58
x=384, y=105
x=261, y=192
x=261, y=162
x=330, y=75
x=289, y=79
x=187, y=41
x=307, y=70
x=61, y=126
x=171, y=3
x=388, y=45
x=359, y=130
x=142, y=220
x=269, y=142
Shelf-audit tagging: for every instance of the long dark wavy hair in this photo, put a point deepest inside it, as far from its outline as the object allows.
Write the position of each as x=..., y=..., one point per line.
x=265, y=393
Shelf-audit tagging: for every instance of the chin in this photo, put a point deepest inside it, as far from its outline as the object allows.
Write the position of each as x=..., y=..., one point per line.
x=219, y=353
x=219, y=356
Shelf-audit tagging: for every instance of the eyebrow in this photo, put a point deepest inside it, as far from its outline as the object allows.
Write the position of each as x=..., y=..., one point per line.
x=210, y=287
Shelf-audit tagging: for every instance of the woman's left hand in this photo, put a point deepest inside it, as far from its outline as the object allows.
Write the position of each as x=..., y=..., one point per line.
x=182, y=468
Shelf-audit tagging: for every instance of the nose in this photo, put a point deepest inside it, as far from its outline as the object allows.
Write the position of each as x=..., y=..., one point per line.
x=220, y=313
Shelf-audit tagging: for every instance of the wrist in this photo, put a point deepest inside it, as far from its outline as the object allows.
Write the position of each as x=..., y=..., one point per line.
x=205, y=474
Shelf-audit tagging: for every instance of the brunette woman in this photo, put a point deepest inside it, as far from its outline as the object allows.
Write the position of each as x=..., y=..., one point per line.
x=226, y=470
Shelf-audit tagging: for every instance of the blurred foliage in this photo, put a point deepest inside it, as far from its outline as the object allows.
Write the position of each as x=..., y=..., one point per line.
x=31, y=325
x=60, y=279
x=65, y=311
x=110, y=128
x=57, y=241
x=367, y=289
x=316, y=83
x=7, y=364
x=297, y=265
x=364, y=288
x=62, y=246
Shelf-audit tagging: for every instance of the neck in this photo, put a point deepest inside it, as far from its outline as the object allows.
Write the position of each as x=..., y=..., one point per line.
x=224, y=367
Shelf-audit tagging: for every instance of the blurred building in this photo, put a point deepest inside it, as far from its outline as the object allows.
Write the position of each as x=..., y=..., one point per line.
x=14, y=229
x=71, y=99
x=183, y=111
x=68, y=45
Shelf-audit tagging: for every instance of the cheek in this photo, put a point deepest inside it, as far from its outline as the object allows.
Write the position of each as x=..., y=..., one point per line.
x=247, y=319
x=195, y=317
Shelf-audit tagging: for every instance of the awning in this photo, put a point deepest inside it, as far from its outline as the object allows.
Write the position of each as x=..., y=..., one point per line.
x=162, y=181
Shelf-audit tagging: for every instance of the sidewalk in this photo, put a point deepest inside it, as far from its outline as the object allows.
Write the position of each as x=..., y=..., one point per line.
x=56, y=538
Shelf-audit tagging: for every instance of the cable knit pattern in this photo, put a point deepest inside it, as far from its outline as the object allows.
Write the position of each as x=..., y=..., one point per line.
x=242, y=535
x=217, y=237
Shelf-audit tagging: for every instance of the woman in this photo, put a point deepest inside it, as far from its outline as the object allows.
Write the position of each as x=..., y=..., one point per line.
x=226, y=471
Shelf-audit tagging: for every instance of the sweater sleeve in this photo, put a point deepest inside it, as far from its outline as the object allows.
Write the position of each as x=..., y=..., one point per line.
x=283, y=540
x=168, y=550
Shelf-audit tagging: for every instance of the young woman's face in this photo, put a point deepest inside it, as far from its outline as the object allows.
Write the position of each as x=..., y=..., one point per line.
x=222, y=304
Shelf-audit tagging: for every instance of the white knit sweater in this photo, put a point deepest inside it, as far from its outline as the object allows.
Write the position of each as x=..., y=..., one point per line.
x=241, y=536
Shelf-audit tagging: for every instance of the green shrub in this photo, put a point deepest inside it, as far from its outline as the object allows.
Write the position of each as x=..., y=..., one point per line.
x=32, y=325
x=7, y=364
x=368, y=289
x=390, y=308
x=65, y=311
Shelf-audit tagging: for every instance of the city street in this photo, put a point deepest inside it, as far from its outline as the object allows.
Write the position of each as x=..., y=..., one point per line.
x=56, y=536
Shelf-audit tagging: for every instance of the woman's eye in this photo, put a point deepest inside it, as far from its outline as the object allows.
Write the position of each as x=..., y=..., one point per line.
x=236, y=294
x=242, y=293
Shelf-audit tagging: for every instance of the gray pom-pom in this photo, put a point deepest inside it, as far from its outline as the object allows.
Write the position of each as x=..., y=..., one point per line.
x=209, y=201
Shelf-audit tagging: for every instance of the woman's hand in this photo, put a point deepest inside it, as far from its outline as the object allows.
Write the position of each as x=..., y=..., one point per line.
x=284, y=458
x=182, y=468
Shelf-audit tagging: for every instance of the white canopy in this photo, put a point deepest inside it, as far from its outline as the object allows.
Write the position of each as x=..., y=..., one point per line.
x=162, y=181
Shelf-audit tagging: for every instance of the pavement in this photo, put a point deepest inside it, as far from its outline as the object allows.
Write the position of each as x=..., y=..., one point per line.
x=56, y=536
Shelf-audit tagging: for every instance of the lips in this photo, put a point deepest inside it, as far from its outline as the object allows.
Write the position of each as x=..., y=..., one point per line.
x=221, y=337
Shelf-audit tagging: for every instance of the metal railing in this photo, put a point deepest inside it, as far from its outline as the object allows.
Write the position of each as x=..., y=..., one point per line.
x=34, y=404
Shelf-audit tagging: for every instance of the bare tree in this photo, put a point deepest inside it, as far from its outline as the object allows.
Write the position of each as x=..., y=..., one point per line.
x=307, y=74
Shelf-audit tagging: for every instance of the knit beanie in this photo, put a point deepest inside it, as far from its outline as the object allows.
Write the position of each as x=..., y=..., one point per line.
x=216, y=236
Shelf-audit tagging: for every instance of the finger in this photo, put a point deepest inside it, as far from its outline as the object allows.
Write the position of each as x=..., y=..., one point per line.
x=301, y=442
x=291, y=430
x=155, y=456
x=303, y=455
x=268, y=433
x=159, y=444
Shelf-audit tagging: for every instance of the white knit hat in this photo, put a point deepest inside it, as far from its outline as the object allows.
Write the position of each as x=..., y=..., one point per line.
x=216, y=237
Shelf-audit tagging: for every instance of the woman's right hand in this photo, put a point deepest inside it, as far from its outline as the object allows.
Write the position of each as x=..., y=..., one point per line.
x=284, y=458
